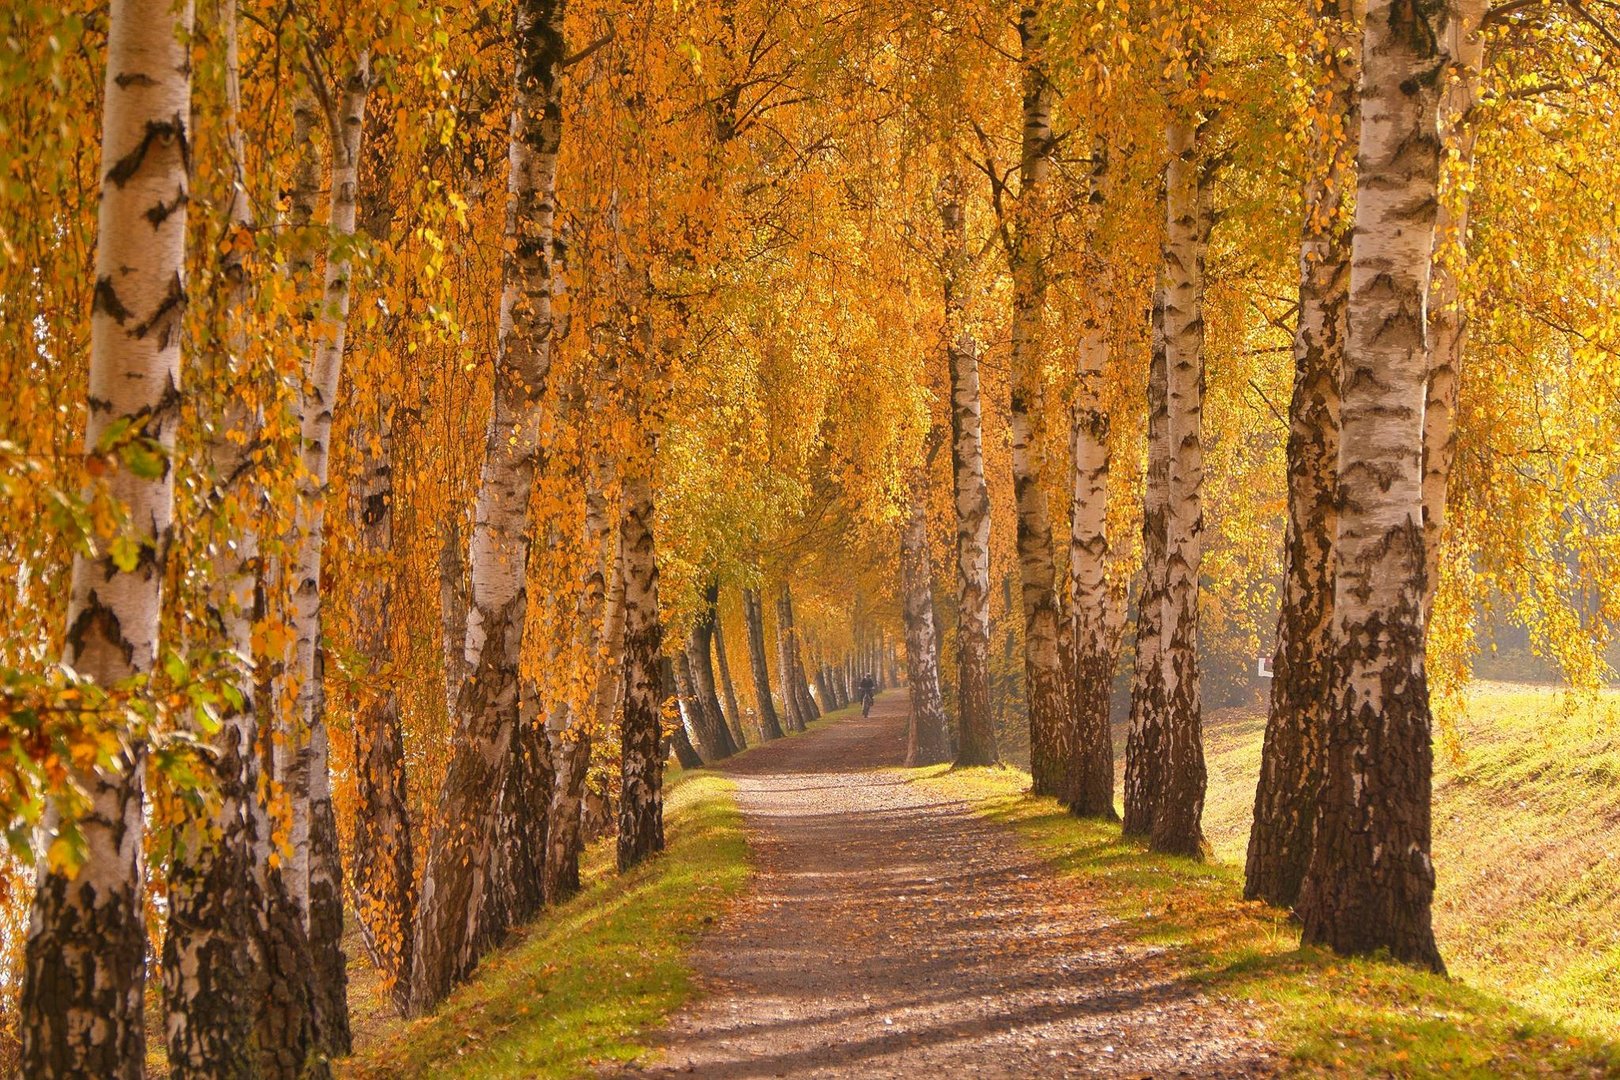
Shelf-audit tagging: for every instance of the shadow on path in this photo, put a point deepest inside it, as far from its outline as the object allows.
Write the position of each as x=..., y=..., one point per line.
x=889, y=934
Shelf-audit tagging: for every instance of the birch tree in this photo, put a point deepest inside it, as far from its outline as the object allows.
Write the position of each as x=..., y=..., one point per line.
x=212, y=958
x=314, y=866
x=927, y=737
x=487, y=706
x=1370, y=883
x=1089, y=791
x=641, y=754
x=1044, y=689
x=84, y=970
x=1177, y=819
x=754, y=619
x=1145, y=737
x=1302, y=673
x=976, y=732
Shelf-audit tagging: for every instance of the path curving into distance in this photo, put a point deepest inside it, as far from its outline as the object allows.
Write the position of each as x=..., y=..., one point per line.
x=890, y=934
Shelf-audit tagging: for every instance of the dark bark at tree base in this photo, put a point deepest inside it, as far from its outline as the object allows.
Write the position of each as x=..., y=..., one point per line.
x=329, y=967
x=1089, y=791
x=770, y=727
x=86, y=956
x=285, y=1023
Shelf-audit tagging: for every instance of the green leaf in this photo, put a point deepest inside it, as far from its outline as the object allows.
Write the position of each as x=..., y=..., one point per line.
x=125, y=552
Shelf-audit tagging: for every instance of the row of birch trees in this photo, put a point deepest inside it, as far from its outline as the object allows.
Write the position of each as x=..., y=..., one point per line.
x=793, y=332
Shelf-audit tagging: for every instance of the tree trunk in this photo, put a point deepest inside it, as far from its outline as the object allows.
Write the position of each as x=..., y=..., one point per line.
x=1043, y=666
x=822, y=689
x=1302, y=683
x=285, y=1024
x=1089, y=791
x=1145, y=736
x=84, y=970
x=1177, y=820
x=793, y=663
x=689, y=709
x=1448, y=318
x=926, y=739
x=487, y=709
x=453, y=612
x=383, y=872
x=212, y=962
x=601, y=630
x=1371, y=882
x=786, y=650
x=807, y=705
x=85, y=962
x=315, y=871
x=754, y=617
x=727, y=689
x=707, y=718
x=641, y=768
x=514, y=886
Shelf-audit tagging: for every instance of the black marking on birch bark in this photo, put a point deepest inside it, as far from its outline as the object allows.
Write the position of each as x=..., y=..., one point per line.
x=167, y=318
x=160, y=211
x=98, y=619
x=105, y=300
x=159, y=132
x=127, y=79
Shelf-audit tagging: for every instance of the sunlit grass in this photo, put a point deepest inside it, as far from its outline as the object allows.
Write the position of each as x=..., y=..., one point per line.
x=1526, y=842
x=1327, y=1015
x=591, y=977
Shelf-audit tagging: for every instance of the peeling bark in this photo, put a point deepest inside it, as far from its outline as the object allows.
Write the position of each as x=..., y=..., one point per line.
x=1044, y=681
x=976, y=732
x=212, y=955
x=1089, y=787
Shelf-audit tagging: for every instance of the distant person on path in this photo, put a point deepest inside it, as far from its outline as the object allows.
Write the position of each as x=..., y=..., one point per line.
x=868, y=691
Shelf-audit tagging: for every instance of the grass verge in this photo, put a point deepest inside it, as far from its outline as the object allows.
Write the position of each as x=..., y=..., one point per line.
x=590, y=977
x=1328, y=1015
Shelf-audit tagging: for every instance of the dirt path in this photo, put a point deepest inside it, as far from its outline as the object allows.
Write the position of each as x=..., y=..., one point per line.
x=889, y=934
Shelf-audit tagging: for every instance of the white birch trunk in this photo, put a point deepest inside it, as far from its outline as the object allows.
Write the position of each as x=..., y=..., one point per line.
x=85, y=960
x=1448, y=318
x=487, y=713
x=641, y=752
x=1302, y=682
x=1090, y=788
x=976, y=732
x=1370, y=884
x=927, y=737
x=212, y=958
x=314, y=867
x=1177, y=818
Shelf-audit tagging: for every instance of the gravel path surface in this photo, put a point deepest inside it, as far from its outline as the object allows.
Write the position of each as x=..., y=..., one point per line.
x=889, y=934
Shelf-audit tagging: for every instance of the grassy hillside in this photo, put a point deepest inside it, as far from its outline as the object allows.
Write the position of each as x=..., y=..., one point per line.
x=586, y=979
x=1328, y=1016
x=1526, y=843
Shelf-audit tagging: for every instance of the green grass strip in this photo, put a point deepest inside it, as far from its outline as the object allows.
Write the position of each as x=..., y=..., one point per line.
x=1328, y=1015
x=591, y=977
